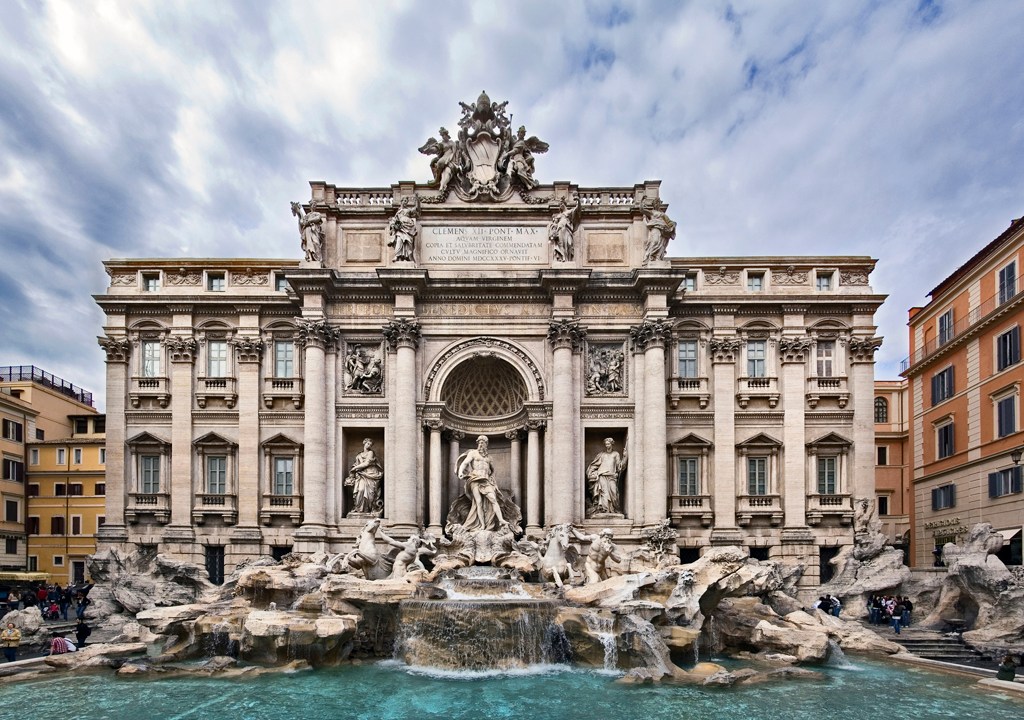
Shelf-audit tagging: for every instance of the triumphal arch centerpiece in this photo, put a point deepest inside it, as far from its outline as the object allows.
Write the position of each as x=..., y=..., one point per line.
x=484, y=352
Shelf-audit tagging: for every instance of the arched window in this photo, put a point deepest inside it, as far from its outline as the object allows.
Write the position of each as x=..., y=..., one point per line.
x=881, y=410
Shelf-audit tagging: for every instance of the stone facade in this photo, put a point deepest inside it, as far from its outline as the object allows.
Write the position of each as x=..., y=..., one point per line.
x=544, y=317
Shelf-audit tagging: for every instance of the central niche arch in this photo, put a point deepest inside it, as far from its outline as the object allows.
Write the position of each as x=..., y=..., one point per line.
x=483, y=387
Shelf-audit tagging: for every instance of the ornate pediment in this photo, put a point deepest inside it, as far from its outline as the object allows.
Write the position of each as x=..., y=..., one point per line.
x=487, y=160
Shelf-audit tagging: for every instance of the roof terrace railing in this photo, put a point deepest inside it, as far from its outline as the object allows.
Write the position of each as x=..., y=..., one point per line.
x=21, y=373
x=986, y=308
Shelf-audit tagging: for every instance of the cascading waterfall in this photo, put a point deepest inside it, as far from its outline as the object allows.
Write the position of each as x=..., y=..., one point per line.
x=604, y=629
x=836, y=656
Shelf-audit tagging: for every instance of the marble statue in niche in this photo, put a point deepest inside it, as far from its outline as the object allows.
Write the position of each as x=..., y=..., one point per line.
x=603, y=476
x=604, y=369
x=364, y=369
x=365, y=478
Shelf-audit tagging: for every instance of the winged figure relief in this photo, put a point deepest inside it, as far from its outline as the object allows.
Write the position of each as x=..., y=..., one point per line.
x=447, y=161
x=518, y=162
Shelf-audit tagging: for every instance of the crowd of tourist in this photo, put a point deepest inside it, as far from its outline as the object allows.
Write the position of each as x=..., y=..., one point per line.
x=829, y=604
x=54, y=601
x=891, y=610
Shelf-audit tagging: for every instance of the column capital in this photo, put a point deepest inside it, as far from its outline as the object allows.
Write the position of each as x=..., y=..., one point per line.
x=117, y=349
x=515, y=434
x=456, y=435
x=536, y=425
x=651, y=334
x=566, y=334
x=724, y=349
x=402, y=332
x=316, y=333
x=433, y=424
x=182, y=349
x=863, y=349
x=794, y=349
x=249, y=350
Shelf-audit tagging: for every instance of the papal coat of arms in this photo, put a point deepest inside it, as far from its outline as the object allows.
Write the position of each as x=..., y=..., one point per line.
x=486, y=161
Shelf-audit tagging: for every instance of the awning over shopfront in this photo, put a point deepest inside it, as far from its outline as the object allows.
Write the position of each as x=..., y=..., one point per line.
x=24, y=577
x=1008, y=534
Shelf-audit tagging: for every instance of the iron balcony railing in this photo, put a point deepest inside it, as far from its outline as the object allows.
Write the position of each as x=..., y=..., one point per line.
x=20, y=373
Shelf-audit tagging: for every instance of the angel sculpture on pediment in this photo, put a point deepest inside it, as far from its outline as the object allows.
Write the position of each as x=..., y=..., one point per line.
x=517, y=161
x=447, y=161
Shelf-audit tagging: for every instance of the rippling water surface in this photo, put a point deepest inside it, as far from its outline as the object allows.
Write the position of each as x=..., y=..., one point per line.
x=866, y=690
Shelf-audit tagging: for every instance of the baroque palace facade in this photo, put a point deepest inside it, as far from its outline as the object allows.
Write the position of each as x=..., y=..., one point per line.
x=264, y=406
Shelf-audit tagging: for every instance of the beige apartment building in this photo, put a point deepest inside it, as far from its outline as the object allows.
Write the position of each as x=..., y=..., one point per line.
x=964, y=376
x=261, y=406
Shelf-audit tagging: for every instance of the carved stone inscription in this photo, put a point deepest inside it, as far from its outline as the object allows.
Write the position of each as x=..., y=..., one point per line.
x=474, y=244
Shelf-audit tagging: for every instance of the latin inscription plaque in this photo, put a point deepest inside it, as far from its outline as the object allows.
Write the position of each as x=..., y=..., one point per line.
x=484, y=244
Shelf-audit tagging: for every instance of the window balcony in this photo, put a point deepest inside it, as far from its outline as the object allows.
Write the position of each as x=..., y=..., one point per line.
x=684, y=509
x=288, y=507
x=749, y=507
x=222, y=388
x=157, y=505
x=757, y=387
x=149, y=388
x=289, y=389
x=827, y=387
x=215, y=505
x=688, y=388
x=838, y=506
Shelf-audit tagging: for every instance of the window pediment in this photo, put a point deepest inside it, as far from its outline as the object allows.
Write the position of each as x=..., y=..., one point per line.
x=212, y=440
x=830, y=440
x=761, y=440
x=145, y=439
x=280, y=442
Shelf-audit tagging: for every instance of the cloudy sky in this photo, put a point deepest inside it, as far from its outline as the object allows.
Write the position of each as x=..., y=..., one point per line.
x=155, y=129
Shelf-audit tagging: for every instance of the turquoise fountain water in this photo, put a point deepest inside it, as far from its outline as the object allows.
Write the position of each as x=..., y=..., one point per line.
x=390, y=690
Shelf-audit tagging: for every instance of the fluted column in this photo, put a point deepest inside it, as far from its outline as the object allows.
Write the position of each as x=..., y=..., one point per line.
x=533, y=474
x=182, y=351
x=454, y=450
x=435, y=480
x=566, y=337
x=793, y=356
x=651, y=336
x=403, y=336
x=248, y=352
x=314, y=336
x=118, y=352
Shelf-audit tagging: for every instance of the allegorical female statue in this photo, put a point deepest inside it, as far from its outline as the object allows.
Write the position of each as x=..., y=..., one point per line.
x=403, y=229
x=603, y=478
x=365, y=477
x=311, y=230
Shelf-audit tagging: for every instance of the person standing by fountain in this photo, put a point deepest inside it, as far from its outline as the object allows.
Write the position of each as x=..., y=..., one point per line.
x=477, y=470
x=364, y=477
x=595, y=569
x=10, y=638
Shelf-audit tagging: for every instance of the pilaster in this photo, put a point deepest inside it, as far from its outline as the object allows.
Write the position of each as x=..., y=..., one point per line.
x=793, y=353
x=563, y=488
x=248, y=354
x=651, y=336
x=182, y=351
x=118, y=352
x=724, y=353
x=403, y=338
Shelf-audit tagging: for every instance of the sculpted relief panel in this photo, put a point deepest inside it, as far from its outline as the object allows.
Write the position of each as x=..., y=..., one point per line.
x=364, y=368
x=606, y=369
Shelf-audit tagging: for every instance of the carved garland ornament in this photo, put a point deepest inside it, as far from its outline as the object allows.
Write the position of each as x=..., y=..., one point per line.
x=789, y=276
x=184, y=277
x=486, y=342
x=250, y=277
x=853, y=277
x=117, y=349
x=566, y=334
x=651, y=333
x=722, y=277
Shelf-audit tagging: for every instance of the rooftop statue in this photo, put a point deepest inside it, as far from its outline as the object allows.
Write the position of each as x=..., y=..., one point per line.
x=660, y=231
x=311, y=230
x=487, y=161
x=561, y=230
x=403, y=228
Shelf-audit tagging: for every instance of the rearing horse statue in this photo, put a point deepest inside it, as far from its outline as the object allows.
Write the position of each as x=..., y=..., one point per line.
x=558, y=557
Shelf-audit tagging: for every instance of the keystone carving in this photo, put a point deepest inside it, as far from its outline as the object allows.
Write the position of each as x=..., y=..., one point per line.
x=650, y=333
x=402, y=333
x=724, y=349
x=566, y=333
x=117, y=349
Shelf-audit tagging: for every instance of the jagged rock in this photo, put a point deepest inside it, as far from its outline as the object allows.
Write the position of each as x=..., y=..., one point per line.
x=339, y=589
x=848, y=635
x=137, y=668
x=719, y=573
x=806, y=645
x=137, y=581
x=276, y=636
x=882, y=572
x=611, y=592
x=169, y=620
x=588, y=631
x=100, y=655
x=132, y=631
x=29, y=621
x=679, y=638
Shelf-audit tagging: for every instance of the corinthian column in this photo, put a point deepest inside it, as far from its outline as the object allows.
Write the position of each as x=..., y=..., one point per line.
x=650, y=336
x=563, y=488
x=435, y=479
x=248, y=351
x=793, y=356
x=314, y=336
x=118, y=351
x=182, y=351
x=533, y=474
x=403, y=336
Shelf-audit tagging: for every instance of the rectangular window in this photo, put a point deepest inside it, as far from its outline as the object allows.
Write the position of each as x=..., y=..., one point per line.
x=76, y=524
x=33, y=490
x=944, y=441
x=690, y=282
x=944, y=497
x=687, y=358
x=11, y=511
x=57, y=525
x=826, y=354
x=58, y=560
x=280, y=284
x=689, y=476
x=32, y=526
x=283, y=476
x=942, y=385
x=215, y=563
x=59, y=489
x=75, y=489
x=1007, y=282
x=824, y=281
x=284, y=359
x=827, y=476
x=76, y=455
x=13, y=470
x=40, y=434
x=11, y=546
x=100, y=521
x=1008, y=348
x=150, y=282
x=81, y=426
x=757, y=476
x=33, y=456
x=13, y=430
x=883, y=455
x=33, y=563
x=946, y=327
x=215, y=282
x=62, y=456
x=756, y=358
x=149, y=480
x=1006, y=416
x=217, y=358
x=216, y=474
x=883, y=504
x=755, y=282
x=103, y=456
x=1004, y=482
x=150, y=358
x=100, y=489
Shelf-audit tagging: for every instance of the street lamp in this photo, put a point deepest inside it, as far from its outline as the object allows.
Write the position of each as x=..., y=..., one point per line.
x=1016, y=454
